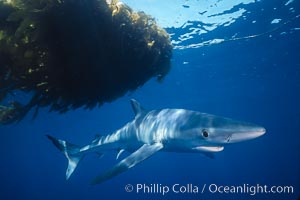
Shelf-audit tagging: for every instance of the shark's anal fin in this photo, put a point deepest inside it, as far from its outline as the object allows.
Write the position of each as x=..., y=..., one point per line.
x=136, y=157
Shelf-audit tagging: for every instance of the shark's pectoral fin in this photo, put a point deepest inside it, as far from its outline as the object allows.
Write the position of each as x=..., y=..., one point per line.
x=136, y=157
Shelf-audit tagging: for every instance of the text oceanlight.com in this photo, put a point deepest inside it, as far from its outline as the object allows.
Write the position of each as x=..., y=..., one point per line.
x=162, y=189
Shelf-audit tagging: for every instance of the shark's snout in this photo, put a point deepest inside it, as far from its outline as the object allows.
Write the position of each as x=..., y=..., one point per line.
x=245, y=134
x=260, y=131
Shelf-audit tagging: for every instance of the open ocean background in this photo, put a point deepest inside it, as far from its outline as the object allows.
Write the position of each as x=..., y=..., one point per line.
x=215, y=69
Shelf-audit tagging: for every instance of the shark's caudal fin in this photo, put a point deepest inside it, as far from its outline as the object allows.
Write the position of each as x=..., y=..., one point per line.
x=71, y=152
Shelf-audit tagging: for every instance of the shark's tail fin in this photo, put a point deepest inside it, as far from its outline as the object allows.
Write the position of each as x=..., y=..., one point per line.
x=71, y=152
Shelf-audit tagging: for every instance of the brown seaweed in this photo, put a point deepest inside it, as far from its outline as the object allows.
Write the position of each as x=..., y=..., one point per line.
x=76, y=53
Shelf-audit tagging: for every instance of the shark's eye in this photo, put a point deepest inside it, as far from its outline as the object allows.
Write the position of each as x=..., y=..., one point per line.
x=205, y=133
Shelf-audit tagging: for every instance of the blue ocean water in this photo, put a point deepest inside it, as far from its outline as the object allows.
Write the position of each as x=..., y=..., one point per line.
x=255, y=79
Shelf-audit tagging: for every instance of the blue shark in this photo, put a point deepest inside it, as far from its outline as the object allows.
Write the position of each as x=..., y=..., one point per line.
x=169, y=130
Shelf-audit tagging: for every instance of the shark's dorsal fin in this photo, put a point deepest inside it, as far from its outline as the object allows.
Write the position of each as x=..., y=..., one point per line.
x=137, y=108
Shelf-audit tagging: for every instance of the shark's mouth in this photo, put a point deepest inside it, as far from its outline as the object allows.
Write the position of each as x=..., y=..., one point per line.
x=209, y=148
